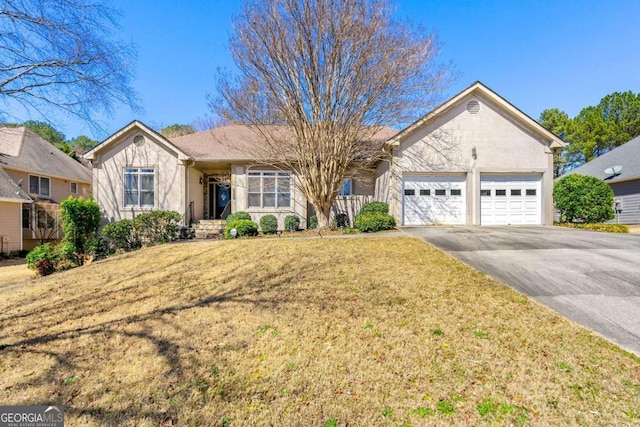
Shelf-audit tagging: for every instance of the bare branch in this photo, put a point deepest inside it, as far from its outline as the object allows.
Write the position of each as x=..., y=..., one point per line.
x=337, y=74
x=60, y=55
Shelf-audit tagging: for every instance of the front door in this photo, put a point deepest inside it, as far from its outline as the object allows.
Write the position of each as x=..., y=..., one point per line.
x=219, y=196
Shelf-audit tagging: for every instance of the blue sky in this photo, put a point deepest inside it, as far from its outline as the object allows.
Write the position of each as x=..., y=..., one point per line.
x=536, y=54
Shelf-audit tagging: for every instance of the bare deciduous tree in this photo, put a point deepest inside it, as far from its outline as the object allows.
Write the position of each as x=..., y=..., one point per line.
x=43, y=221
x=335, y=73
x=59, y=55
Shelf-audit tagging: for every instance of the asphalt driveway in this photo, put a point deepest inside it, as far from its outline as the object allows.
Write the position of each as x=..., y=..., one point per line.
x=591, y=278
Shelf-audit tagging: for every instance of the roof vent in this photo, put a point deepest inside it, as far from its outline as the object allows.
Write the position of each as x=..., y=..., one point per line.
x=138, y=140
x=473, y=107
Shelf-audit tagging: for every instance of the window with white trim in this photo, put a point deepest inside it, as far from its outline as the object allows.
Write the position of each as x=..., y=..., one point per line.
x=74, y=188
x=139, y=187
x=26, y=216
x=269, y=189
x=39, y=185
x=345, y=190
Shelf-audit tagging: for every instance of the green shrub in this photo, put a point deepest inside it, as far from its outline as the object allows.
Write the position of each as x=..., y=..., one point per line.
x=122, y=235
x=40, y=253
x=292, y=222
x=372, y=207
x=342, y=220
x=67, y=252
x=244, y=227
x=98, y=248
x=313, y=222
x=581, y=198
x=375, y=221
x=80, y=221
x=157, y=227
x=238, y=215
x=269, y=224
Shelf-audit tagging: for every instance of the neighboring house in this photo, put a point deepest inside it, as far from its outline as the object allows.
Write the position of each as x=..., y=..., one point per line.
x=35, y=177
x=620, y=168
x=476, y=159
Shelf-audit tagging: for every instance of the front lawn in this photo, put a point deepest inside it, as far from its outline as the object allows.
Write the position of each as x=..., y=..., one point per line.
x=310, y=332
x=13, y=271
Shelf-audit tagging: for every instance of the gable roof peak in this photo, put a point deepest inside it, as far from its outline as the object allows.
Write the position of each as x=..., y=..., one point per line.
x=492, y=96
x=115, y=137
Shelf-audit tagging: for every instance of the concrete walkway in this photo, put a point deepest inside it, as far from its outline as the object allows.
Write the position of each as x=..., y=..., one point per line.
x=589, y=277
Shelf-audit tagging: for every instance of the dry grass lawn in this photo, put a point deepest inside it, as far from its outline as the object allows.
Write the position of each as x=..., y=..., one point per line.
x=321, y=332
x=14, y=271
x=635, y=229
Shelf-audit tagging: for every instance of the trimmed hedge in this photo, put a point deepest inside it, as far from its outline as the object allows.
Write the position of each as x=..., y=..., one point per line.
x=157, y=227
x=149, y=228
x=238, y=215
x=313, y=222
x=122, y=235
x=374, y=221
x=373, y=207
x=244, y=227
x=292, y=222
x=269, y=224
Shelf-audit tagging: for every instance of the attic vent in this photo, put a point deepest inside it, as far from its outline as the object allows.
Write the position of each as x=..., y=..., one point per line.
x=473, y=107
x=138, y=140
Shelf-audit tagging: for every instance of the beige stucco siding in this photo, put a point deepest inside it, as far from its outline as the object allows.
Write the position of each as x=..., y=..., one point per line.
x=10, y=227
x=195, y=193
x=169, y=180
x=458, y=142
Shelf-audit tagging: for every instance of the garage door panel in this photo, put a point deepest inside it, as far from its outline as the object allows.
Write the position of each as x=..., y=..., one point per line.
x=436, y=200
x=500, y=205
x=510, y=199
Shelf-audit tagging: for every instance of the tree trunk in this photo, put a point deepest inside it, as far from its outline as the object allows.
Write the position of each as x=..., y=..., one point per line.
x=323, y=213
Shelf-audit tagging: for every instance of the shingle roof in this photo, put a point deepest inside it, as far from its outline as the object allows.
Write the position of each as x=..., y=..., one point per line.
x=10, y=190
x=235, y=142
x=627, y=155
x=24, y=150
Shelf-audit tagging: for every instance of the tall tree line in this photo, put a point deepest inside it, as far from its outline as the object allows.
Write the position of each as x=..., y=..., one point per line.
x=595, y=131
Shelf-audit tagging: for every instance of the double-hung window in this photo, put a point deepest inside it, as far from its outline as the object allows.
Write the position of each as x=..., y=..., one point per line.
x=39, y=185
x=139, y=189
x=269, y=189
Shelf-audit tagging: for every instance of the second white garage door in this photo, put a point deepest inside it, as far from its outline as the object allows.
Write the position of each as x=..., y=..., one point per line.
x=510, y=200
x=434, y=200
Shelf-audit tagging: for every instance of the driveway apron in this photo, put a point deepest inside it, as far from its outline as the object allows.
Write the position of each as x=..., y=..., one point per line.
x=589, y=277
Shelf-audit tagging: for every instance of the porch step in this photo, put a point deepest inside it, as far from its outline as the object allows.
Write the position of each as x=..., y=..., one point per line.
x=209, y=228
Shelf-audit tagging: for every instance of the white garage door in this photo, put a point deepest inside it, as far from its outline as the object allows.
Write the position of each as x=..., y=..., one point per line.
x=510, y=200
x=434, y=200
